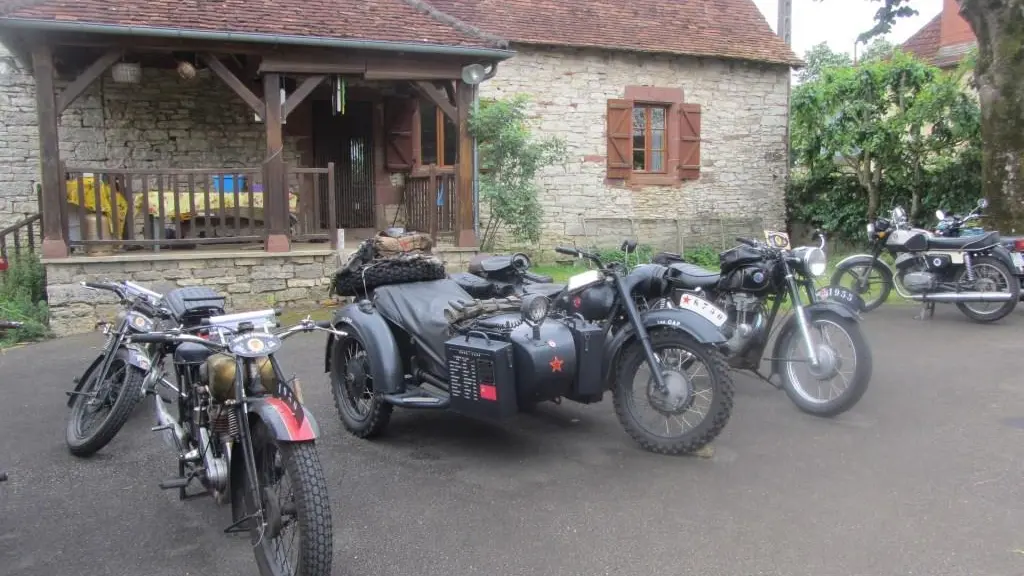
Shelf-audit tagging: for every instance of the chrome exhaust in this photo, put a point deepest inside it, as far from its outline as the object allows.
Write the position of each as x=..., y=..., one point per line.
x=174, y=434
x=963, y=297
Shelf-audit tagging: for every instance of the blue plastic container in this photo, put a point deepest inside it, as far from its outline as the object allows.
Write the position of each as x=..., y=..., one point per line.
x=226, y=183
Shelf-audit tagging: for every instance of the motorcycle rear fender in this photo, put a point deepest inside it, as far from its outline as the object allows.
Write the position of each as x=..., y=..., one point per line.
x=999, y=252
x=362, y=320
x=275, y=414
x=700, y=328
x=815, y=310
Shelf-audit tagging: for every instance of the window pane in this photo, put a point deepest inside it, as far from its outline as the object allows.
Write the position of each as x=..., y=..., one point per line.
x=638, y=159
x=658, y=161
x=451, y=142
x=638, y=141
x=658, y=118
x=428, y=133
x=657, y=139
x=639, y=123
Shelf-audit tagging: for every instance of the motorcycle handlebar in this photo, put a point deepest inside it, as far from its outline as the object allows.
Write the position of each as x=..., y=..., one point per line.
x=324, y=324
x=152, y=338
x=102, y=286
x=746, y=241
x=567, y=251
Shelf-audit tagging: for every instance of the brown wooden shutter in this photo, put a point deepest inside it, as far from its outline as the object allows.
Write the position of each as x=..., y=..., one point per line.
x=620, y=138
x=689, y=145
x=398, y=125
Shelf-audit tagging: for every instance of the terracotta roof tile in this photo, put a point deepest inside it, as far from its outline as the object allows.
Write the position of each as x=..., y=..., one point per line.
x=388, y=20
x=925, y=42
x=717, y=28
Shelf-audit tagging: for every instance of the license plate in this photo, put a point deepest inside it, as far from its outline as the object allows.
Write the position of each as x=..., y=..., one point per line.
x=706, y=309
x=1018, y=261
x=839, y=294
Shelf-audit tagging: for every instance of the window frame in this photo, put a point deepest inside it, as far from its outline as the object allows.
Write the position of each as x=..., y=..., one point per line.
x=442, y=125
x=648, y=108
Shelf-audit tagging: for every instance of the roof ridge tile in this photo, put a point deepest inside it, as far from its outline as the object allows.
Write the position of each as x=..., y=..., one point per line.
x=460, y=25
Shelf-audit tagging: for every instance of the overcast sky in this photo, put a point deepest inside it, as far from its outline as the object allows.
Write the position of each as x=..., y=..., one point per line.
x=838, y=22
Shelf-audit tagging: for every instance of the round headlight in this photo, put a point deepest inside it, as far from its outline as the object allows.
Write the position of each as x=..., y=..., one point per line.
x=815, y=262
x=534, y=308
x=871, y=228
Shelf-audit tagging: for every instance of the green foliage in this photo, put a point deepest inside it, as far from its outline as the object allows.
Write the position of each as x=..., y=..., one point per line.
x=884, y=131
x=702, y=255
x=819, y=58
x=510, y=158
x=23, y=299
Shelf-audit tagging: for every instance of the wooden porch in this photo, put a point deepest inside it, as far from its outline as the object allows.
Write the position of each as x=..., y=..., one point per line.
x=101, y=208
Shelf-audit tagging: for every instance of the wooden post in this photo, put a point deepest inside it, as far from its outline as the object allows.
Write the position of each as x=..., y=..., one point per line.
x=275, y=190
x=465, y=235
x=54, y=243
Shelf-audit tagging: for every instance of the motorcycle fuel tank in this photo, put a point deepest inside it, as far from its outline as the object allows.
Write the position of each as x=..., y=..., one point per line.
x=545, y=361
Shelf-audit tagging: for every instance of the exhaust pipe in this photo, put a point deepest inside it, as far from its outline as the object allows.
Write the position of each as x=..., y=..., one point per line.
x=963, y=297
x=174, y=434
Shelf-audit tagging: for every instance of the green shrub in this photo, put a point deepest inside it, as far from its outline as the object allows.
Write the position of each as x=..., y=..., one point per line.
x=23, y=299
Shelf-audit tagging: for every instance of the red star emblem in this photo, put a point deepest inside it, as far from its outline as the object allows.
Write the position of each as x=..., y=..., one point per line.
x=686, y=299
x=577, y=302
x=556, y=364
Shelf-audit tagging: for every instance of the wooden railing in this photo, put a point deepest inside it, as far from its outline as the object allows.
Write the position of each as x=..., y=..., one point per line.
x=30, y=228
x=316, y=219
x=430, y=200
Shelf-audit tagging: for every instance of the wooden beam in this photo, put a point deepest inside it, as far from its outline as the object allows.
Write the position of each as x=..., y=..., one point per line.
x=86, y=78
x=276, y=199
x=465, y=234
x=406, y=68
x=449, y=90
x=297, y=64
x=436, y=96
x=237, y=85
x=54, y=243
x=300, y=94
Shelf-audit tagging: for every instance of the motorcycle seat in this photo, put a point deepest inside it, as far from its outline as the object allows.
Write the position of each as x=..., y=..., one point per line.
x=489, y=264
x=189, y=353
x=964, y=242
x=474, y=285
x=548, y=290
x=692, y=276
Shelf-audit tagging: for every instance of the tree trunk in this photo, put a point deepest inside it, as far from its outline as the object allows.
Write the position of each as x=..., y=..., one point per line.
x=999, y=28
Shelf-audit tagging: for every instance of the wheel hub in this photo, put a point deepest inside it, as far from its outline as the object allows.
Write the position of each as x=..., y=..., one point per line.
x=828, y=363
x=677, y=395
x=355, y=378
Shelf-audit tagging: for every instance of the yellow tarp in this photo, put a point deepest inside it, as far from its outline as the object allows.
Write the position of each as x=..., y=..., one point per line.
x=187, y=209
x=89, y=191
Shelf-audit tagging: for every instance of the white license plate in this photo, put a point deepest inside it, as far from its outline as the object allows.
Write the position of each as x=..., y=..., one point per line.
x=1018, y=261
x=709, y=311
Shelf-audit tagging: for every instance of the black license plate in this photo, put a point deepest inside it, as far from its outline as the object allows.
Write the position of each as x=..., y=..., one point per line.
x=846, y=297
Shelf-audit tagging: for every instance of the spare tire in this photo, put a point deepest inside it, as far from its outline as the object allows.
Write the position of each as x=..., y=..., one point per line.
x=385, y=271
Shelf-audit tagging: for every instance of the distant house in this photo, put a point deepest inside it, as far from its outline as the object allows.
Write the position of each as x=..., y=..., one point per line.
x=943, y=41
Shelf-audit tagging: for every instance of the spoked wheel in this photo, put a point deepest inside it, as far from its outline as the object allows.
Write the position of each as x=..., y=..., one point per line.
x=695, y=405
x=102, y=406
x=844, y=367
x=990, y=275
x=296, y=538
x=872, y=282
x=363, y=413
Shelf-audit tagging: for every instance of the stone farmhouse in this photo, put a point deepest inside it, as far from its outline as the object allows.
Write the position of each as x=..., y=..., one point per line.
x=225, y=143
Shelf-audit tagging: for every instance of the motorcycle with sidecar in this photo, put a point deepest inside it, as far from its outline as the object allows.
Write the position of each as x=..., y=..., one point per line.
x=432, y=345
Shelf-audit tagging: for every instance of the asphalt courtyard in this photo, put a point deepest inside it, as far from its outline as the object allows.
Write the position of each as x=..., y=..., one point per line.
x=923, y=477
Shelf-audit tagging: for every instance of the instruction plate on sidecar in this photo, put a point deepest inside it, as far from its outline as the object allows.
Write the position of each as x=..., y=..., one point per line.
x=709, y=311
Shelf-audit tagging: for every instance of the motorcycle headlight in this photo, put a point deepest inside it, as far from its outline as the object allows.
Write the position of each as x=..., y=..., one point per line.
x=815, y=262
x=534, y=308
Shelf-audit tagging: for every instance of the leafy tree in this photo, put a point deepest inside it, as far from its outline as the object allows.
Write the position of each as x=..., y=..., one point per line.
x=819, y=58
x=877, y=49
x=510, y=158
x=881, y=120
x=999, y=75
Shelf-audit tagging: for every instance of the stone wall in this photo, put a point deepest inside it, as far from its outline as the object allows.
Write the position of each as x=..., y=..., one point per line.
x=250, y=280
x=743, y=149
x=162, y=122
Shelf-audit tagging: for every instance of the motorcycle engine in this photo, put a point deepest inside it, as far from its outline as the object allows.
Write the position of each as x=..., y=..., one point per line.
x=746, y=320
x=918, y=282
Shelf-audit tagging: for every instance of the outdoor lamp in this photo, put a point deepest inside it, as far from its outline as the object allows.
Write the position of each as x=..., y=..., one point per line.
x=473, y=74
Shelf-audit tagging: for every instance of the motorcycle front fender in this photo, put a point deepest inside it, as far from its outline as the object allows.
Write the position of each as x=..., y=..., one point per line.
x=699, y=328
x=85, y=378
x=815, y=310
x=284, y=425
x=362, y=320
x=861, y=260
x=138, y=357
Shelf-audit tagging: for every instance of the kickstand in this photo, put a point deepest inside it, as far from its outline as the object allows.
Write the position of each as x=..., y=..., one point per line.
x=766, y=379
x=927, y=311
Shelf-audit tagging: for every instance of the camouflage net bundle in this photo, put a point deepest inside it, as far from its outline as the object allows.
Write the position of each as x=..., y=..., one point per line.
x=384, y=260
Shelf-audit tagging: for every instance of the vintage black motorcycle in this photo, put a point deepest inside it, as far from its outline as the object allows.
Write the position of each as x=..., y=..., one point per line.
x=124, y=372
x=966, y=270
x=433, y=345
x=239, y=428
x=755, y=274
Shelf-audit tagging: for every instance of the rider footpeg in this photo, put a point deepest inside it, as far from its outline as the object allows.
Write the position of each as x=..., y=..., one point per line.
x=174, y=483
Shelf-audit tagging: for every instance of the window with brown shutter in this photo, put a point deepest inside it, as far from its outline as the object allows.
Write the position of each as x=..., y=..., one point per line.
x=653, y=137
x=398, y=121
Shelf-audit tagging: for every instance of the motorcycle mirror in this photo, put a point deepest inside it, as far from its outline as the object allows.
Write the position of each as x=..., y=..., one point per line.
x=629, y=246
x=940, y=214
x=983, y=203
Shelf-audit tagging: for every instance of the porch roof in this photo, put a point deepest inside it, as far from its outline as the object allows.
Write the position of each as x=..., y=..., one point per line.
x=398, y=25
